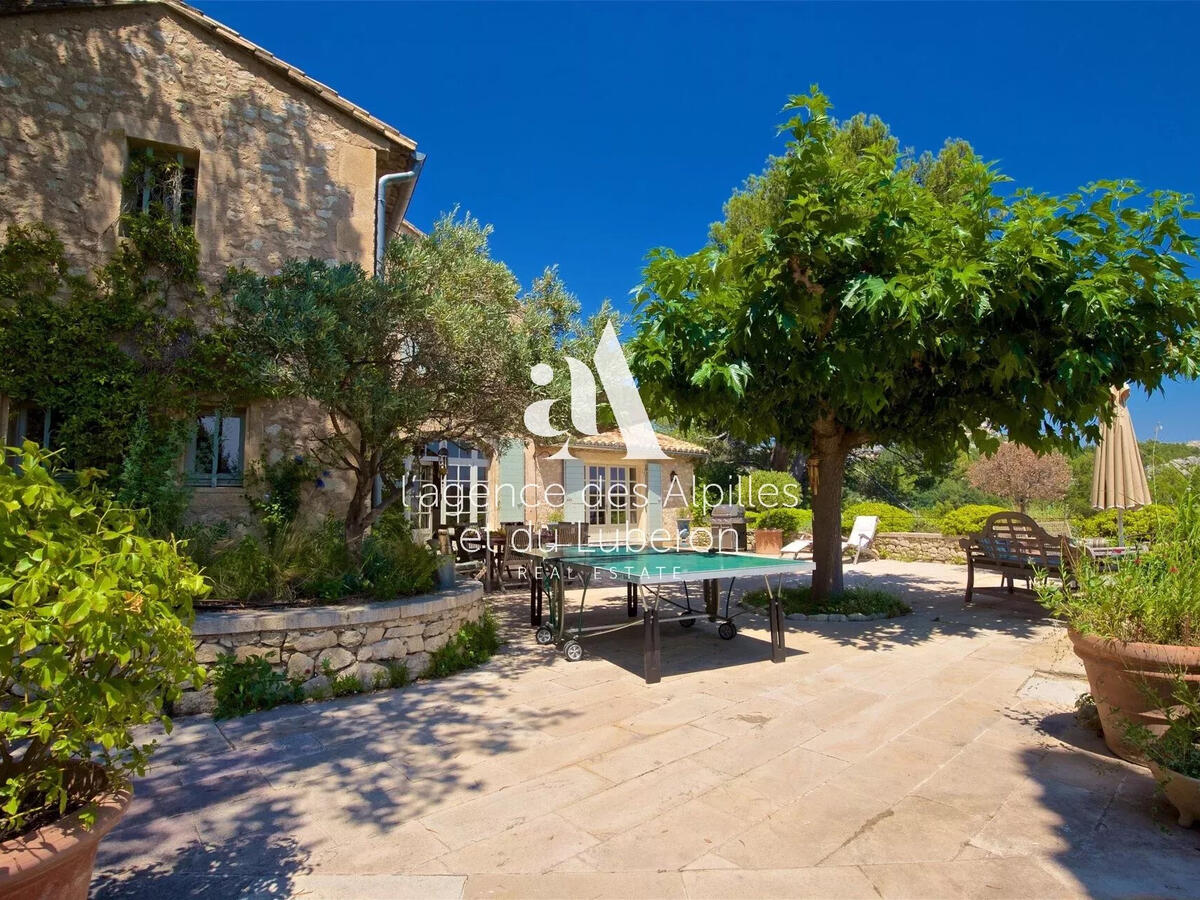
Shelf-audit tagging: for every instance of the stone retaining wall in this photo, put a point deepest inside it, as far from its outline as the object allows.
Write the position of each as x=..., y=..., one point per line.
x=354, y=639
x=919, y=546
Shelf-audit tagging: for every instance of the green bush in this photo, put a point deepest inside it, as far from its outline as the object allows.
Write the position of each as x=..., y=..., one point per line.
x=397, y=567
x=1145, y=524
x=1151, y=597
x=789, y=521
x=94, y=638
x=763, y=489
x=967, y=519
x=472, y=645
x=891, y=518
x=1178, y=746
x=243, y=686
x=864, y=600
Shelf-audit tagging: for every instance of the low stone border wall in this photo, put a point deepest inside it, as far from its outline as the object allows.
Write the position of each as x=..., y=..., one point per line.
x=919, y=546
x=823, y=617
x=354, y=639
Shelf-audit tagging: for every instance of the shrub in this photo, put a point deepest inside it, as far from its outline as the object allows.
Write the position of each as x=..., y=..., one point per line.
x=891, y=518
x=472, y=645
x=150, y=478
x=397, y=567
x=243, y=686
x=762, y=489
x=967, y=519
x=1152, y=597
x=276, y=489
x=1178, y=746
x=789, y=521
x=1145, y=524
x=93, y=638
x=864, y=600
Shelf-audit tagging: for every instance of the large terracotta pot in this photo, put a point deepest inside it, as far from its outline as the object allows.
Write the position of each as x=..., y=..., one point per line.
x=768, y=541
x=55, y=861
x=1119, y=673
x=1182, y=791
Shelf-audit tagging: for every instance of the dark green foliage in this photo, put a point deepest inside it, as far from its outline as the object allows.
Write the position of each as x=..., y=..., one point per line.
x=472, y=645
x=251, y=684
x=891, y=518
x=867, y=601
x=342, y=685
x=275, y=491
x=789, y=521
x=150, y=478
x=1178, y=746
x=130, y=337
x=967, y=519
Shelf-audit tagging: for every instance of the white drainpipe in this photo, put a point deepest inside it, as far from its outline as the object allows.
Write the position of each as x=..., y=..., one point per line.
x=410, y=179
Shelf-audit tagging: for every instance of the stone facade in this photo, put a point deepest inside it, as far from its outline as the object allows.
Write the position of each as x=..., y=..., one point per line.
x=357, y=640
x=284, y=167
x=920, y=547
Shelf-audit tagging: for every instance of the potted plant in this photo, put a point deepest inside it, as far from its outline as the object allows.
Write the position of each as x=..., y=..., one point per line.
x=93, y=641
x=1173, y=753
x=1135, y=623
x=773, y=525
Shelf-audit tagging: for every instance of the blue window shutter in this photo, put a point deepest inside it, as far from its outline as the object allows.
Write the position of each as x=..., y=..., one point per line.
x=573, y=509
x=653, y=497
x=512, y=482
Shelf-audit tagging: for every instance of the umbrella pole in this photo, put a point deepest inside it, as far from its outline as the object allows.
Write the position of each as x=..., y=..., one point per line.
x=1120, y=527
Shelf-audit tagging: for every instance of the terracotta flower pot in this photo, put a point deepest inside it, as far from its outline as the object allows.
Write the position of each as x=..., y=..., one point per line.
x=768, y=541
x=1119, y=673
x=55, y=862
x=1182, y=791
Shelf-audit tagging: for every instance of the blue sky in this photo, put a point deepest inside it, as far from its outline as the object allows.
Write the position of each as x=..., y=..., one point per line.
x=589, y=133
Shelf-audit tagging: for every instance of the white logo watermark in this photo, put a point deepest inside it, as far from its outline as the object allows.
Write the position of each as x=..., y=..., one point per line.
x=626, y=403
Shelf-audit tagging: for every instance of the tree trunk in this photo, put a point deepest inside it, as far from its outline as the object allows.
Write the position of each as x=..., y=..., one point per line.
x=832, y=444
x=781, y=457
x=357, y=514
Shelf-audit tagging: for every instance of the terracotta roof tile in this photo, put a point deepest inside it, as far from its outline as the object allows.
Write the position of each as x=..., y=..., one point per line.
x=611, y=440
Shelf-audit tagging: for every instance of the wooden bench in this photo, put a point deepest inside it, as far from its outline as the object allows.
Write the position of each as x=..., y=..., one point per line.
x=1014, y=546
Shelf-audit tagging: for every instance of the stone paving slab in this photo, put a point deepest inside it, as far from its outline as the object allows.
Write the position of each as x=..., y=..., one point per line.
x=934, y=755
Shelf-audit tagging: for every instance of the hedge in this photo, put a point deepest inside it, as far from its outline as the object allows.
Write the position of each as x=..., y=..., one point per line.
x=789, y=521
x=967, y=519
x=1143, y=524
x=891, y=518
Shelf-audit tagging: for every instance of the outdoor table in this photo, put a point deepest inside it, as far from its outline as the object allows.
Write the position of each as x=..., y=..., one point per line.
x=645, y=573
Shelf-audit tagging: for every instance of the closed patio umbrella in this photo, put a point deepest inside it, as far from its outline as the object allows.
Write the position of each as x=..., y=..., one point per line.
x=1119, y=479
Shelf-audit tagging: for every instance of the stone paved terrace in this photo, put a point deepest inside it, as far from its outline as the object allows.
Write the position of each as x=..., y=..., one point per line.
x=934, y=755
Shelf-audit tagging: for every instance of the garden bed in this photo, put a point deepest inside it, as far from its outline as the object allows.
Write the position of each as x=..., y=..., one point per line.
x=361, y=640
x=856, y=604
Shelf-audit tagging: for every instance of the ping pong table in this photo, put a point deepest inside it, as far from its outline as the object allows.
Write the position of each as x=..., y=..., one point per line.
x=645, y=572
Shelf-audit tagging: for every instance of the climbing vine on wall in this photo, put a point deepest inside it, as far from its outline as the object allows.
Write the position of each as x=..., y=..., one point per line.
x=139, y=337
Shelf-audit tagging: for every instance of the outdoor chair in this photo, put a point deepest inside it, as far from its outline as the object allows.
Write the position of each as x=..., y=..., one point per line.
x=1014, y=546
x=862, y=536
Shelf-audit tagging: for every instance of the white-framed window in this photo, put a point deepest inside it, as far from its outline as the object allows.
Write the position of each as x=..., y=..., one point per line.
x=216, y=451
x=607, y=493
x=464, y=500
x=160, y=181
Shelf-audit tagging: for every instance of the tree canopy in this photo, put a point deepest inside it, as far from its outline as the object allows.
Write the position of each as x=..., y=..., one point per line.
x=856, y=295
x=436, y=347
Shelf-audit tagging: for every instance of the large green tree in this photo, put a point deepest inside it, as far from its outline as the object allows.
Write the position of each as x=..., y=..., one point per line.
x=856, y=295
x=438, y=346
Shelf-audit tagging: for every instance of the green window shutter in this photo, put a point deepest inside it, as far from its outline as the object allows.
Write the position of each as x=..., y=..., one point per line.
x=512, y=482
x=654, y=508
x=574, y=509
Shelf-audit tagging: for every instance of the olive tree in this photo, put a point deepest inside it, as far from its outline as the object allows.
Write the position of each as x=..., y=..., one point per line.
x=438, y=346
x=856, y=295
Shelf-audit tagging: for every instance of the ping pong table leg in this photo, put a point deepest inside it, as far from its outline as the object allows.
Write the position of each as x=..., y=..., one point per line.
x=631, y=599
x=535, y=596
x=778, y=651
x=712, y=598
x=653, y=649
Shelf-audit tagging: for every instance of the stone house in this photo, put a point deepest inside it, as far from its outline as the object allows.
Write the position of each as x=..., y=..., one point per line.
x=273, y=165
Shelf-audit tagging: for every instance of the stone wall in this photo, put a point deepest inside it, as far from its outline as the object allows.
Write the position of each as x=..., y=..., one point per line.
x=281, y=172
x=354, y=639
x=917, y=546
